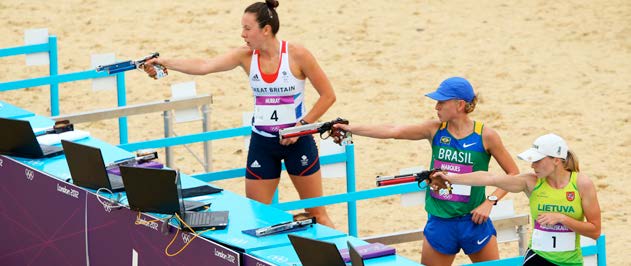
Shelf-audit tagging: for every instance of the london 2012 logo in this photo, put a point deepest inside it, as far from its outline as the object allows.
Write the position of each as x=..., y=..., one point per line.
x=30, y=174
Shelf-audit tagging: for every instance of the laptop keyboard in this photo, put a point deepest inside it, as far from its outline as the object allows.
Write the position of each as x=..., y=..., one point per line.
x=116, y=181
x=48, y=148
x=195, y=218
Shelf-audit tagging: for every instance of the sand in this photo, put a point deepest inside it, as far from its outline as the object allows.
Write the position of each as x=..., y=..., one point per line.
x=538, y=66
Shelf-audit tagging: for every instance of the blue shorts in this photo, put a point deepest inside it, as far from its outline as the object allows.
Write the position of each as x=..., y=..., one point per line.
x=265, y=156
x=448, y=236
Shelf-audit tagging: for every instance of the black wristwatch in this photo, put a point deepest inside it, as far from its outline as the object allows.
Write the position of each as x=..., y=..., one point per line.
x=303, y=122
x=492, y=198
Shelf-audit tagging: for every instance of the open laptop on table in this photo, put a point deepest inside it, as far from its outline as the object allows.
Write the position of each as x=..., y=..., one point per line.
x=159, y=191
x=88, y=169
x=17, y=139
x=313, y=252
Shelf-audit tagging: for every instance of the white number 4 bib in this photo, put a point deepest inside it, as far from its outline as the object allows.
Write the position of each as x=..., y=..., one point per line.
x=274, y=110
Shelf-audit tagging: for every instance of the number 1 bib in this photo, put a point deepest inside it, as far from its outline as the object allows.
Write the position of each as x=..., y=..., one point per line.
x=553, y=238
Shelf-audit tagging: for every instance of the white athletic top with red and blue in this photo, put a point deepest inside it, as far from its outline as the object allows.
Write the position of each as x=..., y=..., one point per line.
x=278, y=97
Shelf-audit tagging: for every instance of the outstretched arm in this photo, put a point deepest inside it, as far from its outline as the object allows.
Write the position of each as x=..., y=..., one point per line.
x=224, y=62
x=515, y=184
x=424, y=130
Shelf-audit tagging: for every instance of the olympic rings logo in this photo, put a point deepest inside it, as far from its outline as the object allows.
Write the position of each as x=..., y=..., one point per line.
x=30, y=174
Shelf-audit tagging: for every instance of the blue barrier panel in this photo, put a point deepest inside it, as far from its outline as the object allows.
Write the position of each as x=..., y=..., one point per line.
x=26, y=49
x=53, y=71
x=240, y=172
x=122, y=101
x=174, y=141
x=350, y=188
x=351, y=196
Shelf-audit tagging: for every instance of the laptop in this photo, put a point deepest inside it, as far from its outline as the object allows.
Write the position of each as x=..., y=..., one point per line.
x=356, y=258
x=17, y=139
x=88, y=169
x=313, y=252
x=160, y=191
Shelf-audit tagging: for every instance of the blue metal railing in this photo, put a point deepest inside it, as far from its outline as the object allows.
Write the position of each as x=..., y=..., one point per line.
x=54, y=78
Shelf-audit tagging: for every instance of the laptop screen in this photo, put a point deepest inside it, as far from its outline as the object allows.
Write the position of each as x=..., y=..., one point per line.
x=151, y=190
x=313, y=252
x=86, y=165
x=17, y=138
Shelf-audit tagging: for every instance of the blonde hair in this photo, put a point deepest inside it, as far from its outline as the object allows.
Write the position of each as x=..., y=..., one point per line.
x=571, y=162
x=470, y=106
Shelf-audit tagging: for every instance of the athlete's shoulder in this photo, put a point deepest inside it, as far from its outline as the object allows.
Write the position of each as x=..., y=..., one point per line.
x=583, y=182
x=429, y=128
x=489, y=134
x=295, y=47
x=243, y=50
x=297, y=51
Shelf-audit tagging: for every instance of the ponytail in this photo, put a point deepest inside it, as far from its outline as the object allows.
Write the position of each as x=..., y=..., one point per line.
x=571, y=162
x=470, y=106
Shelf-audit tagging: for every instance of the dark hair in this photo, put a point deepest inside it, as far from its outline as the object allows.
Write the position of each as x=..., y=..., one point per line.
x=265, y=14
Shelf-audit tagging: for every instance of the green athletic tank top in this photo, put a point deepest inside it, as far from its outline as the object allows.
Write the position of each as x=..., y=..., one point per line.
x=457, y=156
x=557, y=244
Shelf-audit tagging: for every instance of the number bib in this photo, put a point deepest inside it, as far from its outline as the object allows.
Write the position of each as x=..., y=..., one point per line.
x=553, y=238
x=272, y=113
x=459, y=193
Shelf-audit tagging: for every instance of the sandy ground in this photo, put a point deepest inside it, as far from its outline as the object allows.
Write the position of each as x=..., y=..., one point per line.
x=538, y=66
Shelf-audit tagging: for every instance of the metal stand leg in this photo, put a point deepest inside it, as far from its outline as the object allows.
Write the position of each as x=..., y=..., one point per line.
x=208, y=149
x=168, y=130
x=523, y=239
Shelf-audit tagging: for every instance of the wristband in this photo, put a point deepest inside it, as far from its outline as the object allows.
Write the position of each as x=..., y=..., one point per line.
x=303, y=122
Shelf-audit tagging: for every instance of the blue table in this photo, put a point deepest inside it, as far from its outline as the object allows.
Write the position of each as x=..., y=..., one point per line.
x=11, y=111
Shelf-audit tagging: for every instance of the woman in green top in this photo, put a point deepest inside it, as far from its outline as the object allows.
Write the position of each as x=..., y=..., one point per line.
x=563, y=202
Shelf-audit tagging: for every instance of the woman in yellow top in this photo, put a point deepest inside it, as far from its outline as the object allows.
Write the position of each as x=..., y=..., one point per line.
x=563, y=201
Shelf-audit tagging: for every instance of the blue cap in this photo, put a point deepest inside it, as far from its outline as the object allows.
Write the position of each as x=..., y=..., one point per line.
x=453, y=88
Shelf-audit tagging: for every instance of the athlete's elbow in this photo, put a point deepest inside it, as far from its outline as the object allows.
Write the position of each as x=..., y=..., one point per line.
x=595, y=234
x=331, y=99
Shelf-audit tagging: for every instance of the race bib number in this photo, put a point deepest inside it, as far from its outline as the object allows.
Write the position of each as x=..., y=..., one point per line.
x=554, y=238
x=459, y=193
x=271, y=113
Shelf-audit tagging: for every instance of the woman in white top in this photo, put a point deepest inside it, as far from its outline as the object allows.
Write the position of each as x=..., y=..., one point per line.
x=277, y=71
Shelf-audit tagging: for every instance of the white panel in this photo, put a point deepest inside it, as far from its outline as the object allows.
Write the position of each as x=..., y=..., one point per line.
x=504, y=208
x=416, y=198
x=36, y=36
x=183, y=91
x=589, y=260
x=328, y=147
x=413, y=199
x=107, y=83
